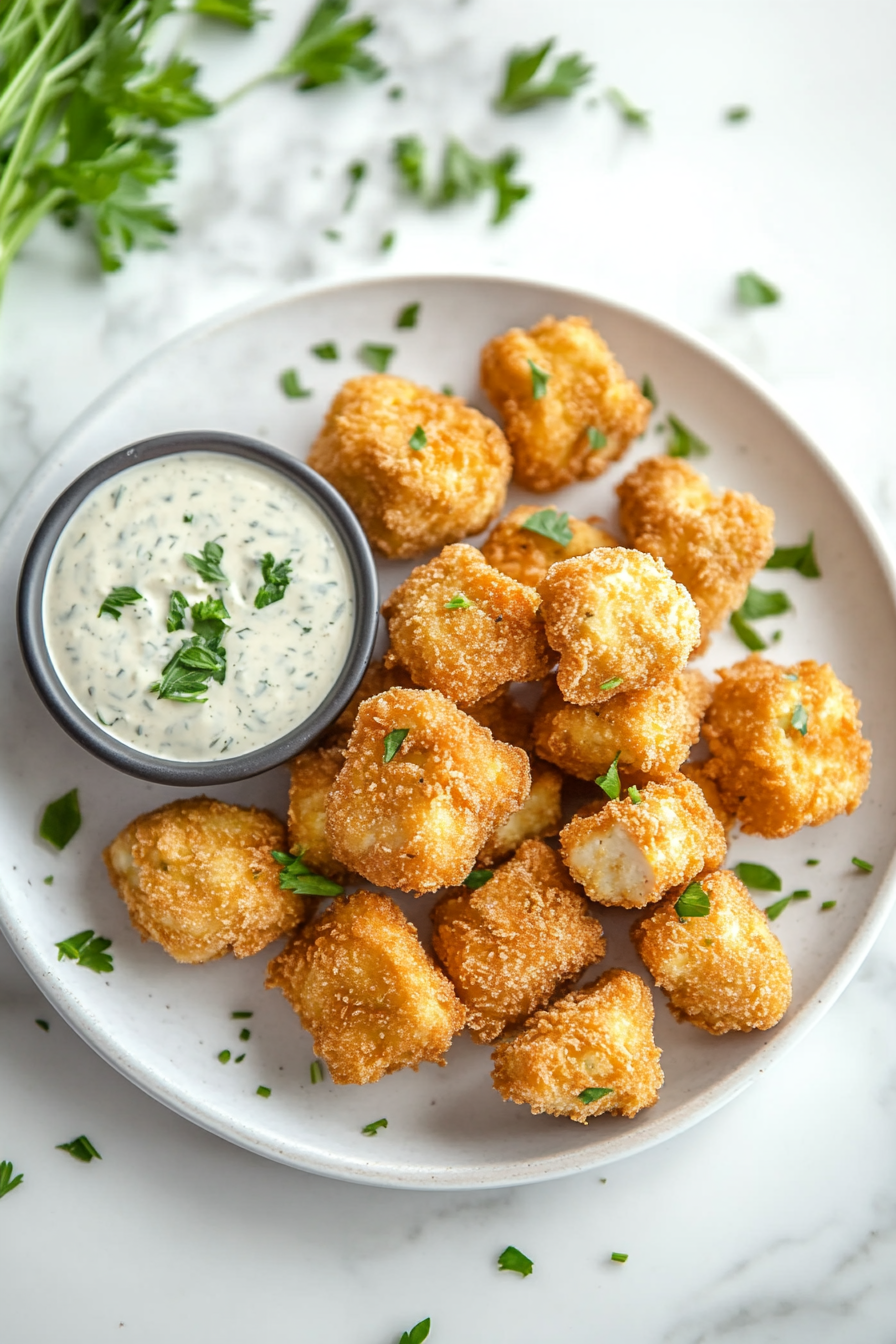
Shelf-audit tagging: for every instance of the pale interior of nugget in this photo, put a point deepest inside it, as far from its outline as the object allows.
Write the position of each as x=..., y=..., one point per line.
x=540, y=815
x=614, y=865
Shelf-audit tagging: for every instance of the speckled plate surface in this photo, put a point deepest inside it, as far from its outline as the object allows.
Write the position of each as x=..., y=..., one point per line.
x=162, y=1025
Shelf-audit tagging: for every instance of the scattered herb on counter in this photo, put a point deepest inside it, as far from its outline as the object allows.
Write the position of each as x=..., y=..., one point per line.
x=611, y=684
x=295, y=875
x=515, y=1261
x=316, y=1071
x=356, y=171
x=737, y=113
x=596, y=438
x=376, y=357
x=408, y=316
x=754, y=292
x=333, y=236
x=392, y=742
x=757, y=876
x=374, y=1126
x=87, y=951
x=291, y=385
x=631, y=115
x=81, y=1149
x=48, y=881
x=457, y=602
x=395, y=92
x=812, y=863
x=61, y=820
x=241, y=1012
x=262, y=1091
x=478, y=878
x=177, y=610
x=828, y=905
x=117, y=599
x=684, y=442
x=693, y=903
x=417, y=1335
x=387, y=242
x=245, y=1034
x=619, y=1256
x=276, y=580
x=648, y=390
x=241, y=13
x=42, y=1023
x=540, y=381
x=521, y=91
x=591, y=1094
x=224, y=1057
x=634, y=794
x=7, y=1180
x=863, y=865
x=239, y=1059
x=418, y=439
x=326, y=350
x=551, y=524
x=610, y=781
x=208, y=564
x=328, y=51
x=799, y=719
x=463, y=176
x=800, y=558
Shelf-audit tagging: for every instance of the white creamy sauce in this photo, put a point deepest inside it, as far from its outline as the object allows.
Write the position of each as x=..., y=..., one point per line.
x=281, y=660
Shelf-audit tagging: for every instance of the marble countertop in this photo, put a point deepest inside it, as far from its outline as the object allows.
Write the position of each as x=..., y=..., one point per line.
x=773, y=1220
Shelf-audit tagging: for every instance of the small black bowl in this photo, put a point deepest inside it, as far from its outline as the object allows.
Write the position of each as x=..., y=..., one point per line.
x=80, y=726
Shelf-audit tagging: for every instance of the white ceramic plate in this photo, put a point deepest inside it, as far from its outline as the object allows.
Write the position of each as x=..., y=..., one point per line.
x=162, y=1025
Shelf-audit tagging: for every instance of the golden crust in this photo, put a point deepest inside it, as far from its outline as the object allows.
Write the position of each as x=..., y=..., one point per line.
x=768, y=774
x=467, y=652
x=652, y=729
x=311, y=777
x=629, y=854
x=540, y=815
x=587, y=388
x=510, y=946
x=696, y=772
x=198, y=878
x=505, y=718
x=363, y=986
x=377, y=678
x=725, y=971
x=600, y=1036
x=616, y=613
x=527, y=556
x=418, y=821
x=410, y=501
x=713, y=544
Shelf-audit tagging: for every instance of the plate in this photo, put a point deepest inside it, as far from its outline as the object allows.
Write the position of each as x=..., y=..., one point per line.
x=163, y=1025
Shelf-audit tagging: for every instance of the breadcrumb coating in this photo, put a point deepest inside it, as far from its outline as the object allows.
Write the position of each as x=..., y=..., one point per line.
x=586, y=389
x=540, y=815
x=616, y=613
x=509, y=946
x=377, y=678
x=713, y=544
x=527, y=556
x=505, y=718
x=725, y=971
x=198, y=878
x=466, y=652
x=409, y=501
x=363, y=986
x=597, y=1037
x=696, y=772
x=311, y=777
x=418, y=821
x=630, y=853
x=770, y=775
x=652, y=730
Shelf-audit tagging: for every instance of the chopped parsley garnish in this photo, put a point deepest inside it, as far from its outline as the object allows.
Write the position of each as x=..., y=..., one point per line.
x=408, y=316
x=239, y=1059
x=87, y=951
x=395, y=92
x=387, y=242
x=392, y=742
x=648, y=390
x=188, y=517
x=409, y=157
x=812, y=863
x=241, y=13
x=684, y=442
x=262, y=1091
x=773, y=911
x=356, y=171
x=478, y=878
x=737, y=113
x=634, y=794
x=7, y=1180
x=591, y=1094
x=185, y=675
x=596, y=438
x=42, y=1023
x=610, y=781
x=327, y=350
x=276, y=580
x=759, y=603
x=61, y=820
x=463, y=175
x=242, y=1012
x=693, y=903
x=521, y=90
x=295, y=875
x=551, y=524
x=316, y=1071
x=374, y=1126
x=540, y=381
x=619, y=1256
x=631, y=115
x=48, y=881
x=754, y=292
x=800, y=558
x=418, y=439
x=447, y=390
x=828, y=905
x=224, y=1057
x=245, y=1034
x=177, y=610
x=208, y=564
x=376, y=357
x=863, y=865
x=117, y=599
x=210, y=617
x=291, y=384
x=514, y=1260
x=333, y=236
x=417, y=1335
x=328, y=51
x=457, y=602
x=757, y=876
x=80, y=1148
x=799, y=719
x=611, y=684
x=746, y=634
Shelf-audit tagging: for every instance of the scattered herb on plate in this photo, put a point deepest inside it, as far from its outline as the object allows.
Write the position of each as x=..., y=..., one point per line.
x=81, y=1149
x=863, y=865
x=757, y=876
x=291, y=384
x=316, y=1071
x=408, y=316
x=61, y=820
x=242, y=1012
x=376, y=357
x=515, y=1261
x=417, y=1335
x=327, y=350
x=737, y=113
x=7, y=1180
x=631, y=115
x=684, y=442
x=224, y=1057
x=828, y=905
x=245, y=1034
x=619, y=1256
x=800, y=558
x=754, y=292
x=42, y=1023
x=648, y=390
x=87, y=951
x=551, y=524
x=262, y=1091
x=374, y=1126
x=356, y=173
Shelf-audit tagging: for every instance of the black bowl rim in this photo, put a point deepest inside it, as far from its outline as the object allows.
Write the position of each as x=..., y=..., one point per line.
x=78, y=724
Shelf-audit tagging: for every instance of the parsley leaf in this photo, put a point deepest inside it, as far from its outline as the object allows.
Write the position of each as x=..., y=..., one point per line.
x=619, y=1256
x=634, y=794
x=317, y=1071
x=610, y=781
x=551, y=524
x=387, y=242
x=61, y=820
x=800, y=558
x=42, y=1023
x=799, y=719
x=773, y=911
x=863, y=865
x=185, y=675
x=418, y=439
x=693, y=903
x=754, y=292
x=457, y=602
x=327, y=50
x=684, y=442
x=80, y=1148
x=376, y=357
x=118, y=598
x=241, y=13
x=8, y=1181
x=408, y=316
x=759, y=603
x=392, y=741
x=357, y=171
x=419, y=1333
x=262, y=1091
x=374, y=1126
x=520, y=90
x=828, y=905
x=757, y=876
x=596, y=438
x=746, y=634
x=241, y=1013
x=591, y=1094
x=295, y=875
x=540, y=381
x=737, y=113
x=478, y=878
x=611, y=684
x=87, y=951
x=648, y=390
x=631, y=115
x=409, y=157
x=224, y=1057
x=210, y=618
x=177, y=610
x=208, y=564
x=276, y=580
x=291, y=385
x=463, y=175
x=326, y=350
x=514, y=1260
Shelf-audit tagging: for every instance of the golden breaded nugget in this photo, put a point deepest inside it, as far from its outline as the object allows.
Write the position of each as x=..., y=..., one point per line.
x=630, y=853
x=366, y=990
x=618, y=620
x=377, y=678
x=311, y=777
x=725, y=971
x=695, y=771
x=509, y=946
x=505, y=718
x=586, y=390
x=597, y=1039
x=772, y=775
x=460, y=627
x=198, y=878
x=541, y=814
x=713, y=544
x=417, y=820
x=410, y=499
x=651, y=730
x=527, y=556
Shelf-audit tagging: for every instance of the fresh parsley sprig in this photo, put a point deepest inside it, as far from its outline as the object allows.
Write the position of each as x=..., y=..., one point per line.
x=208, y=564
x=295, y=875
x=463, y=176
x=87, y=951
x=9, y=1182
x=61, y=820
x=521, y=90
x=417, y=1335
x=328, y=49
x=276, y=580
x=241, y=13
x=117, y=600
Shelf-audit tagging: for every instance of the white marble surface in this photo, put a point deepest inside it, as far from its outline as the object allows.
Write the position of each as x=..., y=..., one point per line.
x=774, y=1220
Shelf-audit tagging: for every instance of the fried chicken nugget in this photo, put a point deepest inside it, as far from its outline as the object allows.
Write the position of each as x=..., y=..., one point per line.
x=713, y=544
x=505, y=718
x=415, y=815
x=527, y=556
x=725, y=971
x=418, y=468
x=311, y=777
x=618, y=620
x=363, y=986
x=630, y=853
x=787, y=745
x=597, y=1038
x=463, y=628
x=198, y=878
x=696, y=772
x=651, y=730
x=540, y=815
x=509, y=946
x=582, y=420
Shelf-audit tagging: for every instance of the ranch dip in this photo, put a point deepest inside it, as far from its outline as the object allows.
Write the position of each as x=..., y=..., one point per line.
x=246, y=673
